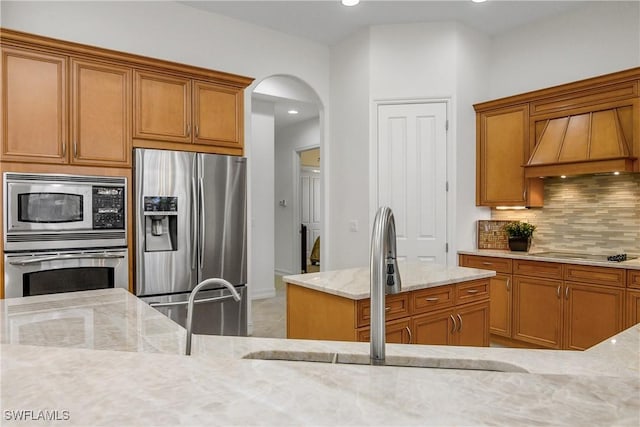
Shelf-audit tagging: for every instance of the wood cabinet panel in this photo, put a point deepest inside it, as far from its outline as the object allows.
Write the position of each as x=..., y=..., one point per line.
x=549, y=270
x=632, y=307
x=501, y=305
x=473, y=327
x=217, y=115
x=537, y=306
x=633, y=278
x=499, y=265
x=396, y=306
x=101, y=114
x=600, y=275
x=472, y=291
x=432, y=299
x=34, y=106
x=503, y=136
x=396, y=331
x=434, y=328
x=162, y=107
x=591, y=314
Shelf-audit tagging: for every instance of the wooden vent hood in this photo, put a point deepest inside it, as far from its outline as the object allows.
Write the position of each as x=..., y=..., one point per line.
x=589, y=143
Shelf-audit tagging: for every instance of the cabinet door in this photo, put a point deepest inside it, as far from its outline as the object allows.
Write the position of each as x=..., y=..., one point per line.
x=34, y=106
x=633, y=307
x=473, y=325
x=162, y=107
x=501, y=305
x=101, y=114
x=592, y=314
x=502, y=150
x=434, y=328
x=537, y=308
x=217, y=115
x=396, y=331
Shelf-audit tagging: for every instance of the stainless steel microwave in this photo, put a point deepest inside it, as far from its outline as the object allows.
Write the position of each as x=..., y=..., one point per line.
x=52, y=211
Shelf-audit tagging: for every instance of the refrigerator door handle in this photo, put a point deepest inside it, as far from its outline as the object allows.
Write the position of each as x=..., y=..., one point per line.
x=202, y=223
x=194, y=222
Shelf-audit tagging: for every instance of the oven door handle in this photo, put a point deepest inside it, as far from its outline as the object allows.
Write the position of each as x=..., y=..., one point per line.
x=65, y=257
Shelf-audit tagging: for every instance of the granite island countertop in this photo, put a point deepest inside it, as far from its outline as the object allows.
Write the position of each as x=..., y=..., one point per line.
x=134, y=385
x=354, y=283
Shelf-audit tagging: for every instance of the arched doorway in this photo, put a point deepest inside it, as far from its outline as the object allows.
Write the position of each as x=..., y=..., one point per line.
x=286, y=120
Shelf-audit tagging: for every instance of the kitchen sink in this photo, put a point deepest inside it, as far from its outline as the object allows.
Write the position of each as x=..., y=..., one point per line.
x=398, y=361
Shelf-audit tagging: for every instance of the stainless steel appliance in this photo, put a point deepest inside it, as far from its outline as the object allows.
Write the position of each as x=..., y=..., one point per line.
x=48, y=211
x=191, y=226
x=64, y=233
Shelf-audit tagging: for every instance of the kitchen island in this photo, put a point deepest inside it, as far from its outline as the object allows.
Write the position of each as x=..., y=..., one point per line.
x=437, y=305
x=145, y=379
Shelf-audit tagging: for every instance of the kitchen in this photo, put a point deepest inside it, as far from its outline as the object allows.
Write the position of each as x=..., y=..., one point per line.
x=348, y=115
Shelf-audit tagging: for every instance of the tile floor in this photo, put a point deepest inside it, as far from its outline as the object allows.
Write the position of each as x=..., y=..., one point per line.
x=269, y=314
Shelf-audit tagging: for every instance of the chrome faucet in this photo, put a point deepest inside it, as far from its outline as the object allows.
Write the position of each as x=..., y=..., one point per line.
x=384, y=276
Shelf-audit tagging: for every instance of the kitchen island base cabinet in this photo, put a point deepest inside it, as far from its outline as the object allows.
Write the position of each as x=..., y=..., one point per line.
x=456, y=314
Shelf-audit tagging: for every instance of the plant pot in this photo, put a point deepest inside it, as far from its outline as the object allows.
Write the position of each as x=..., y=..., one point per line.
x=521, y=244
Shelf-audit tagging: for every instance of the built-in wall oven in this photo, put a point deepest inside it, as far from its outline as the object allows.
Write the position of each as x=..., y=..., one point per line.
x=64, y=233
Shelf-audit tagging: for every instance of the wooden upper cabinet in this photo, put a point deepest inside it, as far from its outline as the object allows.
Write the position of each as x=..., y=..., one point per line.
x=34, y=106
x=101, y=114
x=217, y=115
x=502, y=150
x=162, y=106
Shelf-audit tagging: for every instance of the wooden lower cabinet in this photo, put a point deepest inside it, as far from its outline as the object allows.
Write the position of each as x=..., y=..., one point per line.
x=632, y=307
x=537, y=311
x=396, y=331
x=591, y=314
x=313, y=314
x=501, y=305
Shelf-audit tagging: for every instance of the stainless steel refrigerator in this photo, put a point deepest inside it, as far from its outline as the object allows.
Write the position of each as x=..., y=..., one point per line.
x=191, y=225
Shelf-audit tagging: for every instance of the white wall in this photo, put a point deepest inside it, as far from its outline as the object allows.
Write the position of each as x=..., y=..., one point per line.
x=601, y=38
x=347, y=156
x=290, y=139
x=261, y=165
x=175, y=32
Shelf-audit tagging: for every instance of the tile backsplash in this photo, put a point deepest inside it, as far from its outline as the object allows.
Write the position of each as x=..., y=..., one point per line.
x=593, y=214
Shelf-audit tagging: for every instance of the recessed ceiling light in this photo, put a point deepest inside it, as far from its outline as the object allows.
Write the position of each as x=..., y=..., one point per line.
x=478, y=1
x=292, y=111
x=350, y=2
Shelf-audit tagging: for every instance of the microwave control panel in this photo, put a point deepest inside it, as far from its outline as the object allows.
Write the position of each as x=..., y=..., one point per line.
x=108, y=208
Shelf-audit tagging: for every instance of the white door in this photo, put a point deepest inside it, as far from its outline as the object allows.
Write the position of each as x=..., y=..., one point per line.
x=412, y=177
x=310, y=205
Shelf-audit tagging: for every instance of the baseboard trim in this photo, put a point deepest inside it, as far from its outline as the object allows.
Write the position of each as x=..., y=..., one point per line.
x=281, y=272
x=262, y=294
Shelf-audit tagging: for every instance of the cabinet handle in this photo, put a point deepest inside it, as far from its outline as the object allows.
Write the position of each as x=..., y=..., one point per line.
x=455, y=324
x=188, y=130
x=472, y=291
x=75, y=149
x=566, y=292
x=64, y=149
x=432, y=299
x=387, y=308
x=197, y=131
x=409, y=331
x=487, y=263
x=524, y=195
x=558, y=291
x=459, y=318
x=508, y=284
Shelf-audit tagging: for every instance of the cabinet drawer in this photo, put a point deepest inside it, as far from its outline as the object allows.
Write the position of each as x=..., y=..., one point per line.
x=549, y=270
x=476, y=290
x=500, y=265
x=396, y=306
x=633, y=278
x=598, y=275
x=425, y=300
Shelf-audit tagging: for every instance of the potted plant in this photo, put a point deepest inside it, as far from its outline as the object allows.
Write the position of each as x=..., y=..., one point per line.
x=519, y=234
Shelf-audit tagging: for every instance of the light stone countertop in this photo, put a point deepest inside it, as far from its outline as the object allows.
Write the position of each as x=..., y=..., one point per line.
x=145, y=385
x=354, y=283
x=633, y=264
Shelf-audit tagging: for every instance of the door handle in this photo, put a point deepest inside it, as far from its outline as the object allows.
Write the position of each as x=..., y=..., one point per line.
x=459, y=318
x=472, y=291
x=188, y=130
x=75, y=149
x=194, y=220
x=64, y=149
x=202, y=222
x=566, y=292
x=409, y=332
x=197, y=131
x=65, y=257
x=432, y=299
x=508, y=284
x=558, y=291
x=455, y=324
